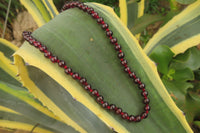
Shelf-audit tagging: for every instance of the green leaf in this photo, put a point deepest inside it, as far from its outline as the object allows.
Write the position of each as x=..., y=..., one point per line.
x=183, y=74
x=178, y=91
x=162, y=55
x=191, y=60
x=186, y=1
x=92, y=56
x=180, y=33
x=22, y=102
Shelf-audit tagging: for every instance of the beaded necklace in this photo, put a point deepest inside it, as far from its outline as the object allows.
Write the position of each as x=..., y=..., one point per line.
x=99, y=98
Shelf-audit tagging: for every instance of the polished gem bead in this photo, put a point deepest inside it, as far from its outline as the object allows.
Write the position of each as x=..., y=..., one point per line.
x=109, y=33
x=127, y=69
x=131, y=75
x=42, y=48
x=54, y=59
x=147, y=108
x=144, y=93
x=124, y=115
x=121, y=55
x=118, y=111
x=112, y=107
x=117, y=47
x=94, y=14
x=124, y=62
x=76, y=3
x=75, y=75
x=37, y=44
x=87, y=87
x=84, y=8
x=83, y=80
x=105, y=26
x=144, y=115
x=100, y=20
x=80, y=6
x=137, y=118
x=61, y=63
x=47, y=54
x=113, y=40
x=146, y=101
x=99, y=98
x=131, y=118
x=66, y=6
x=142, y=86
x=89, y=10
x=94, y=92
x=68, y=70
x=137, y=80
x=105, y=104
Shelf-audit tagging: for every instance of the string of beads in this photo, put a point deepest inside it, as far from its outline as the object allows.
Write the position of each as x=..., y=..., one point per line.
x=113, y=40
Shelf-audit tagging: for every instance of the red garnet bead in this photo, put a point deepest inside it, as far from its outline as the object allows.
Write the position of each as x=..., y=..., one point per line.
x=94, y=14
x=99, y=20
x=105, y=104
x=137, y=118
x=99, y=98
x=147, y=108
x=124, y=115
x=84, y=8
x=89, y=10
x=113, y=40
x=37, y=44
x=118, y=47
x=121, y=55
x=146, y=101
x=142, y=86
x=42, y=48
x=80, y=5
x=68, y=70
x=105, y=26
x=109, y=33
x=112, y=107
x=75, y=75
x=47, y=54
x=118, y=111
x=144, y=93
x=54, y=59
x=61, y=63
x=127, y=69
x=144, y=115
x=124, y=62
x=131, y=75
x=95, y=92
x=131, y=118
x=83, y=80
x=87, y=87
x=137, y=80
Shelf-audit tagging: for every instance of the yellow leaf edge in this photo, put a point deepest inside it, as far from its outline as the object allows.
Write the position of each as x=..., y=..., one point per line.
x=172, y=25
x=8, y=44
x=28, y=83
x=186, y=44
x=5, y=109
x=22, y=126
x=6, y=65
x=53, y=7
x=123, y=11
x=141, y=8
x=34, y=12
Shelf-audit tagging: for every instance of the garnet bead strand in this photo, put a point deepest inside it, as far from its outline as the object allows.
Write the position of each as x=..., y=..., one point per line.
x=113, y=40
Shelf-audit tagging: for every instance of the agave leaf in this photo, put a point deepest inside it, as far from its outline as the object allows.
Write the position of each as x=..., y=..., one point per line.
x=41, y=10
x=20, y=101
x=93, y=57
x=130, y=10
x=180, y=33
x=185, y=1
x=13, y=120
